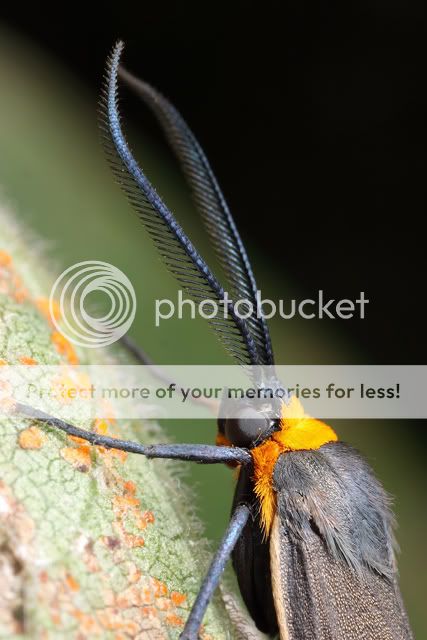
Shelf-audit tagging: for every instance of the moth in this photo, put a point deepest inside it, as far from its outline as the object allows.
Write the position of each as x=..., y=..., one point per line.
x=311, y=530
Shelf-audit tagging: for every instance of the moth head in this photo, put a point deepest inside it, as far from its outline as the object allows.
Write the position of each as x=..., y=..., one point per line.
x=248, y=427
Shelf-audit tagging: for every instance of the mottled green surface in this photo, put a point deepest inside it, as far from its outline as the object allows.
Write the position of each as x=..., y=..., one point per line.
x=107, y=547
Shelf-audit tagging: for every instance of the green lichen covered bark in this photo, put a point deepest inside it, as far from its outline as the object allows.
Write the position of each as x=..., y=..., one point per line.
x=92, y=543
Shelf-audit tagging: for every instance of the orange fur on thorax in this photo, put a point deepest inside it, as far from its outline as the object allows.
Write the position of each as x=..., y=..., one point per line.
x=297, y=432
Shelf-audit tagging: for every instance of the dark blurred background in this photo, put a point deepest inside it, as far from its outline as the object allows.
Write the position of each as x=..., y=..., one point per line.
x=313, y=117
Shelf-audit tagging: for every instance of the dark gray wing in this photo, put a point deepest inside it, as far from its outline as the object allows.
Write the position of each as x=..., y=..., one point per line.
x=332, y=562
x=320, y=598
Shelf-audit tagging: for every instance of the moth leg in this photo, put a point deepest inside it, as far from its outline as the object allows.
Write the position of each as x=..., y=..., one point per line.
x=210, y=583
x=203, y=453
x=143, y=358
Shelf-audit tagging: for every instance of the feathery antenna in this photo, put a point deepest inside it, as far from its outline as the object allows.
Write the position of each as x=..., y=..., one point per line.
x=213, y=208
x=175, y=248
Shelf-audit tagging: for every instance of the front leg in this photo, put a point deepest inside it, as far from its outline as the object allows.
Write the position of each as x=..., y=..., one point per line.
x=210, y=583
x=203, y=453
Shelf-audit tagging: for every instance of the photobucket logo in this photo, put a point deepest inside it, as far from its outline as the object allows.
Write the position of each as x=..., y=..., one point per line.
x=320, y=307
x=70, y=308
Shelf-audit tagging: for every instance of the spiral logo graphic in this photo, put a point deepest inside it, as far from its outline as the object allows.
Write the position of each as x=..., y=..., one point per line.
x=69, y=304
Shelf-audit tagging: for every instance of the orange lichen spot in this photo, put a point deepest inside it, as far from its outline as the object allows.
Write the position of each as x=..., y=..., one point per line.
x=107, y=411
x=111, y=620
x=134, y=575
x=27, y=360
x=56, y=618
x=79, y=457
x=5, y=259
x=127, y=510
x=71, y=384
x=146, y=595
x=88, y=624
x=71, y=582
x=125, y=503
x=48, y=309
x=133, y=542
x=129, y=487
x=64, y=347
x=7, y=402
x=59, y=341
x=203, y=634
x=144, y=519
x=140, y=521
x=149, y=516
x=160, y=589
x=77, y=440
x=130, y=628
x=297, y=432
x=149, y=612
x=20, y=295
x=163, y=604
x=130, y=597
x=121, y=456
x=173, y=620
x=32, y=438
x=16, y=281
x=3, y=362
x=178, y=598
x=101, y=427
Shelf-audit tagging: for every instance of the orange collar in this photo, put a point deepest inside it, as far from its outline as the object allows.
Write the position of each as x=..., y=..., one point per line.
x=297, y=432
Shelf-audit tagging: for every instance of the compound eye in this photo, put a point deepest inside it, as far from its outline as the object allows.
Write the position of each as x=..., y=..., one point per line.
x=244, y=430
